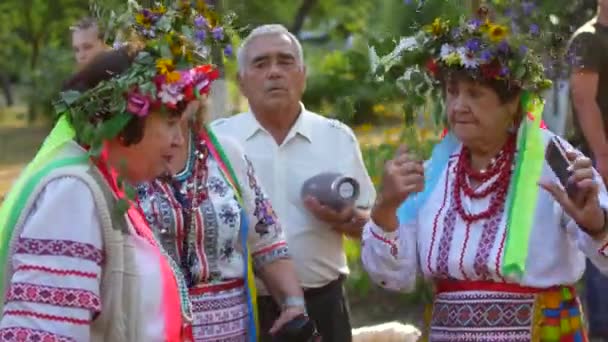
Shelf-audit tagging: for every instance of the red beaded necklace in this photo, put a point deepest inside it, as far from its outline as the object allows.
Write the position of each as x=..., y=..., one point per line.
x=500, y=169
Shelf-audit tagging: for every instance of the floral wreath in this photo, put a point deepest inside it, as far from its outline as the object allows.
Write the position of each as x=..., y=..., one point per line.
x=484, y=49
x=172, y=41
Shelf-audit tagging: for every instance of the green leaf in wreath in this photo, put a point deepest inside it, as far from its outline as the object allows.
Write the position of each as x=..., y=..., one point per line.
x=70, y=96
x=110, y=128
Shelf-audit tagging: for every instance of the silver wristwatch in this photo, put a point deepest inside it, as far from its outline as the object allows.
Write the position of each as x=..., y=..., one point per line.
x=293, y=302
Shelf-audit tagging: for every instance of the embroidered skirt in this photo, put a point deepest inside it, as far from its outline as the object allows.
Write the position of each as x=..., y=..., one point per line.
x=520, y=315
x=219, y=312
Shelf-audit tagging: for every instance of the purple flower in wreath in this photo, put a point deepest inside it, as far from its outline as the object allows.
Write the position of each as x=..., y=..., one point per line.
x=534, y=30
x=228, y=50
x=171, y=93
x=200, y=21
x=523, y=49
x=473, y=44
x=201, y=35
x=137, y=104
x=218, y=33
x=528, y=7
x=474, y=24
x=486, y=56
x=503, y=47
x=504, y=71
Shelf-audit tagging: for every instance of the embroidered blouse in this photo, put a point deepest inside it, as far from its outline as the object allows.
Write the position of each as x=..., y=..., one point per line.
x=441, y=245
x=55, y=291
x=197, y=217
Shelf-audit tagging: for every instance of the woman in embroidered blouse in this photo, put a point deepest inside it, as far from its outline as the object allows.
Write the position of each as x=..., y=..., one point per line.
x=211, y=208
x=462, y=224
x=72, y=274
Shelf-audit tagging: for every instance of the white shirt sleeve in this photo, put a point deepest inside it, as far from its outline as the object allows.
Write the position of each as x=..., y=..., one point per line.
x=356, y=169
x=391, y=259
x=595, y=250
x=54, y=292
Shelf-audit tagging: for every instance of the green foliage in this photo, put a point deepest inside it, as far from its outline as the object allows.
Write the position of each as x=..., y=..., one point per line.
x=341, y=82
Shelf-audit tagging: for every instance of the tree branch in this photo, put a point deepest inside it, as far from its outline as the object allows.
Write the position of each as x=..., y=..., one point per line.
x=305, y=8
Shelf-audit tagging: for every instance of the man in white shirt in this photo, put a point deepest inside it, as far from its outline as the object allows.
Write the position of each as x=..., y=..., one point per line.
x=287, y=145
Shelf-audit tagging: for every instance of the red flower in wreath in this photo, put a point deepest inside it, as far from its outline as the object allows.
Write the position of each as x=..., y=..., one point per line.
x=491, y=70
x=432, y=67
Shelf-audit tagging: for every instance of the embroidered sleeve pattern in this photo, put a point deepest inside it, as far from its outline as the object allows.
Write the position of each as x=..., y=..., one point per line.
x=389, y=239
x=390, y=259
x=54, y=290
x=266, y=234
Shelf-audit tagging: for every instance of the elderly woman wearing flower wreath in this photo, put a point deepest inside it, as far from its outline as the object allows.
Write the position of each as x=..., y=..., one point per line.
x=214, y=219
x=485, y=219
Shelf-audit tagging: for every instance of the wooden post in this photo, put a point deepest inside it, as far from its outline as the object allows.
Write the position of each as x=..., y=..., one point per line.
x=218, y=96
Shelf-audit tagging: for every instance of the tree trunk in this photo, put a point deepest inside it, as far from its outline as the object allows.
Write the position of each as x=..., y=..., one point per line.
x=6, y=88
x=301, y=14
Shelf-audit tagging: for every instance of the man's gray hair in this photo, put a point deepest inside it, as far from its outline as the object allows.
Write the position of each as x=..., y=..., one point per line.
x=267, y=30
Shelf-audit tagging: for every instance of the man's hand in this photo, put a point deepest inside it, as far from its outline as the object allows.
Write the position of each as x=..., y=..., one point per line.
x=349, y=221
x=328, y=214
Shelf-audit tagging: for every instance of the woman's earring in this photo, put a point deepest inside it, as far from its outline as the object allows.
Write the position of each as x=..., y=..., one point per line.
x=512, y=128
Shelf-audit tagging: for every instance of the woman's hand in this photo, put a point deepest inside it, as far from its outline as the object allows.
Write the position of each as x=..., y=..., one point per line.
x=583, y=206
x=403, y=175
x=286, y=316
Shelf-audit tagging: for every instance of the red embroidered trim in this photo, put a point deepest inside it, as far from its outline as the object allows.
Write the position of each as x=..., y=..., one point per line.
x=269, y=248
x=435, y=221
x=21, y=334
x=464, y=248
x=487, y=241
x=66, y=248
x=499, y=255
x=47, y=317
x=394, y=250
x=90, y=275
x=64, y=297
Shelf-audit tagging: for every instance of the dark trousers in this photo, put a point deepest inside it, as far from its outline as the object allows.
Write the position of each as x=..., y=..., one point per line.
x=596, y=288
x=327, y=307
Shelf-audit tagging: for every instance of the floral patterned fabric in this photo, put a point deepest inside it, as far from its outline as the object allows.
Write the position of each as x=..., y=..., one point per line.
x=204, y=240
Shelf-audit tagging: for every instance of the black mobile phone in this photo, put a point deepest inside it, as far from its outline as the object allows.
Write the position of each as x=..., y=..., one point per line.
x=559, y=163
x=299, y=329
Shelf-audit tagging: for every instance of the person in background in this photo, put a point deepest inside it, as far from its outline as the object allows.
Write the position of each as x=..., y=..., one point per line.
x=287, y=145
x=588, y=53
x=87, y=40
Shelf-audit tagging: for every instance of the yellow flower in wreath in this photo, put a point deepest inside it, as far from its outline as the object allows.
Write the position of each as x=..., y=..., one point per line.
x=437, y=28
x=497, y=33
x=173, y=76
x=164, y=66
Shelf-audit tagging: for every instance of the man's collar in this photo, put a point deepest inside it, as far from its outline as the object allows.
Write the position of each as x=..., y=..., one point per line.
x=301, y=126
